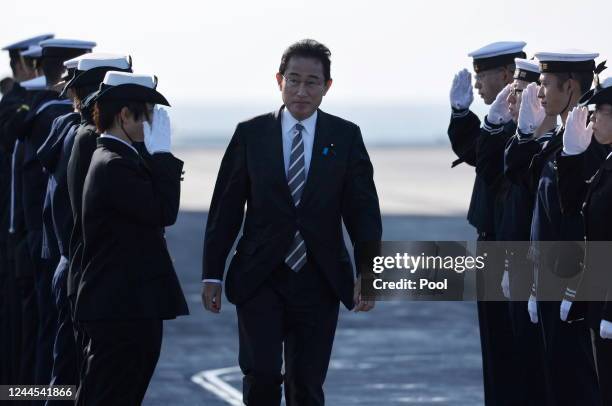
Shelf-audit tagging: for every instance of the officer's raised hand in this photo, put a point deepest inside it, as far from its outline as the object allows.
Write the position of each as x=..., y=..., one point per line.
x=577, y=135
x=531, y=112
x=461, y=94
x=157, y=134
x=499, y=112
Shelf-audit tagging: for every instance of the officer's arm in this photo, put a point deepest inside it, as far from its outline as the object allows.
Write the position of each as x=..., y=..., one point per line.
x=463, y=133
x=152, y=201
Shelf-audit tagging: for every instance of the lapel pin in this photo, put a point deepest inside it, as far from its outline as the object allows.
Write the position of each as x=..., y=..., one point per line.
x=329, y=149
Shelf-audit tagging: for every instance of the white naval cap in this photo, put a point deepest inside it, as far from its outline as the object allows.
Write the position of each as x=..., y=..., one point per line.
x=91, y=68
x=62, y=47
x=113, y=78
x=101, y=59
x=527, y=70
x=600, y=94
x=24, y=44
x=606, y=83
x=497, y=54
x=129, y=86
x=38, y=83
x=33, y=51
x=72, y=63
x=566, y=60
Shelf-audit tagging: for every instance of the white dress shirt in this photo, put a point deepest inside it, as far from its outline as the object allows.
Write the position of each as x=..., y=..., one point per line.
x=107, y=135
x=288, y=123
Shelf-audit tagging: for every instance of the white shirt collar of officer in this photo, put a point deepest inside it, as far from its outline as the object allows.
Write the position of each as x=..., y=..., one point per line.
x=107, y=135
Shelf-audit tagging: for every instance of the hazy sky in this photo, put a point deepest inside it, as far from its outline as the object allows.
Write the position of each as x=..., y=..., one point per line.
x=393, y=51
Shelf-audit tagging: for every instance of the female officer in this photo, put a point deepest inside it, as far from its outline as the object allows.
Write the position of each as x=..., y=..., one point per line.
x=593, y=197
x=128, y=284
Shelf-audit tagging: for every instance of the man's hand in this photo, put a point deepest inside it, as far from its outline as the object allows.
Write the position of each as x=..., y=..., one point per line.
x=578, y=132
x=461, y=95
x=532, y=308
x=564, y=310
x=531, y=112
x=505, y=285
x=211, y=296
x=360, y=304
x=499, y=113
x=605, y=329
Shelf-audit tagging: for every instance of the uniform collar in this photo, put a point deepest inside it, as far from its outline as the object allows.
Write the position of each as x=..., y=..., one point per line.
x=112, y=137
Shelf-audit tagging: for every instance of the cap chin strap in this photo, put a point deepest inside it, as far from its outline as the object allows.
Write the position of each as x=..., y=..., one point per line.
x=125, y=132
x=569, y=100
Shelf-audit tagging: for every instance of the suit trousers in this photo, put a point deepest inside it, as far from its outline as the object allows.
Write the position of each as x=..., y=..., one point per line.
x=569, y=358
x=292, y=315
x=120, y=360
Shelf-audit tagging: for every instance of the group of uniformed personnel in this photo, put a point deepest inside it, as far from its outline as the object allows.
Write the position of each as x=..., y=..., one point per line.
x=541, y=161
x=88, y=184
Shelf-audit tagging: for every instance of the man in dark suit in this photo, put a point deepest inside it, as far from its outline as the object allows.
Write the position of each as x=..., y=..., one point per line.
x=301, y=172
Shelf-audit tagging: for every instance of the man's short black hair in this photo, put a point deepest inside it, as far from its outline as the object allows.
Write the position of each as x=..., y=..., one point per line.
x=105, y=111
x=308, y=48
x=584, y=79
x=53, y=68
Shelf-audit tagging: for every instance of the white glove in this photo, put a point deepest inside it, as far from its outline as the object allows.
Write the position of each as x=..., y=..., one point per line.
x=531, y=112
x=157, y=134
x=532, y=308
x=505, y=285
x=461, y=95
x=499, y=112
x=566, y=305
x=605, y=329
x=577, y=135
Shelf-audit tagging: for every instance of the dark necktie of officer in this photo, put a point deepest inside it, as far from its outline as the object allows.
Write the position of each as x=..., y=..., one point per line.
x=296, y=177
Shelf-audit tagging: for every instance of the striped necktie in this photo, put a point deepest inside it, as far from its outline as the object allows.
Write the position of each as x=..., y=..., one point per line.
x=296, y=177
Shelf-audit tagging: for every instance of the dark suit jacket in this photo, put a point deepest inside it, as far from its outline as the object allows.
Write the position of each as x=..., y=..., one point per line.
x=339, y=186
x=127, y=270
x=78, y=165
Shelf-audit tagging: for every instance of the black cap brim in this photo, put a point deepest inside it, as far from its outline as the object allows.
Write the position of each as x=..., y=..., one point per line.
x=596, y=96
x=129, y=92
x=91, y=77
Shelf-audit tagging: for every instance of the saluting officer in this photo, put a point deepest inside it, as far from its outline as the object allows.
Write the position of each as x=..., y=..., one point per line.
x=88, y=71
x=11, y=295
x=84, y=145
x=128, y=285
x=514, y=227
x=565, y=76
x=45, y=107
x=592, y=198
x=482, y=147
